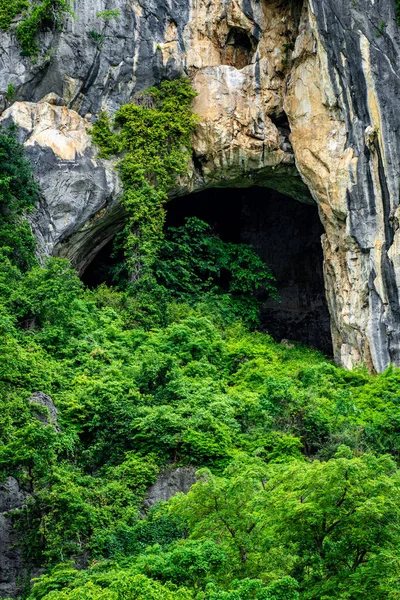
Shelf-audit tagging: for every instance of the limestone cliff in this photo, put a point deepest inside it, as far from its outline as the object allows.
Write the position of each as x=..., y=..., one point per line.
x=343, y=107
x=298, y=97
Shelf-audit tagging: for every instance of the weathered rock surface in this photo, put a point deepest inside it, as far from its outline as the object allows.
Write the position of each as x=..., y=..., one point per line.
x=79, y=210
x=11, y=569
x=50, y=415
x=328, y=69
x=237, y=141
x=343, y=107
x=170, y=482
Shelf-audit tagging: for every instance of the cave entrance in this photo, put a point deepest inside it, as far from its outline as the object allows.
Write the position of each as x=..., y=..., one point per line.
x=284, y=232
x=239, y=48
x=287, y=235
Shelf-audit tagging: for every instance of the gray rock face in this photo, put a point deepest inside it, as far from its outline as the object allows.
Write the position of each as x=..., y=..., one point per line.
x=96, y=63
x=367, y=87
x=79, y=211
x=170, y=482
x=343, y=106
x=237, y=141
x=43, y=400
x=11, y=570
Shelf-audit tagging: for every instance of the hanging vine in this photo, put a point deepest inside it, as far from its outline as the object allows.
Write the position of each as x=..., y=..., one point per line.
x=152, y=137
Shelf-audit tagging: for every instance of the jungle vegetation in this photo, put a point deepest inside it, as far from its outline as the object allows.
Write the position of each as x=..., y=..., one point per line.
x=298, y=494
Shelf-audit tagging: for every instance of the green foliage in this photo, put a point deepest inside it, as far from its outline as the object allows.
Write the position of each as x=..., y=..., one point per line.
x=184, y=564
x=36, y=15
x=398, y=11
x=73, y=512
x=17, y=187
x=195, y=266
x=10, y=93
x=153, y=134
x=193, y=262
x=122, y=586
x=381, y=29
x=97, y=38
x=193, y=391
x=108, y=15
x=333, y=525
x=18, y=195
x=44, y=300
x=249, y=589
x=9, y=9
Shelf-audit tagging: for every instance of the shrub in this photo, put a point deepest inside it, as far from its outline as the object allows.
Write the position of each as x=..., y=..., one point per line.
x=154, y=141
x=18, y=195
x=9, y=9
x=108, y=15
x=36, y=15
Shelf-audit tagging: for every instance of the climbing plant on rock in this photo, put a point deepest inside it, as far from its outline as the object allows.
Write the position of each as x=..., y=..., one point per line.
x=152, y=137
x=35, y=15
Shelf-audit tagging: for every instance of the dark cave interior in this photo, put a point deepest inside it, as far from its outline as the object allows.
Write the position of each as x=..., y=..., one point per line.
x=239, y=48
x=285, y=233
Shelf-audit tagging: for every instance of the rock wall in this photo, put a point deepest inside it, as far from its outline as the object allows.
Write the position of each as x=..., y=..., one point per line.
x=343, y=107
x=284, y=87
x=170, y=482
x=11, y=567
x=239, y=140
x=79, y=211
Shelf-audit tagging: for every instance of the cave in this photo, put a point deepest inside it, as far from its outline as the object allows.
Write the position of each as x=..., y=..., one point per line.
x=285, y=233
x=239, y=48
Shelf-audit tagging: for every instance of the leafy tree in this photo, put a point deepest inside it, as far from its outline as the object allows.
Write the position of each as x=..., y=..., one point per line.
x=46, y=298
x=249, y=589
x=18, y=195
x=189, y=564
x=333, y=526
x=193, y=262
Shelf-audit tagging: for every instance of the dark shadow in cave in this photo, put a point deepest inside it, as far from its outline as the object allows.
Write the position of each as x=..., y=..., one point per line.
x=239, y=48
x=286, y=234
x=100, y=269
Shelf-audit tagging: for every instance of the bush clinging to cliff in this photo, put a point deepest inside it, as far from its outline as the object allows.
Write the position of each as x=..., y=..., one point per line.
x=35, y=16
x=152, y=136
